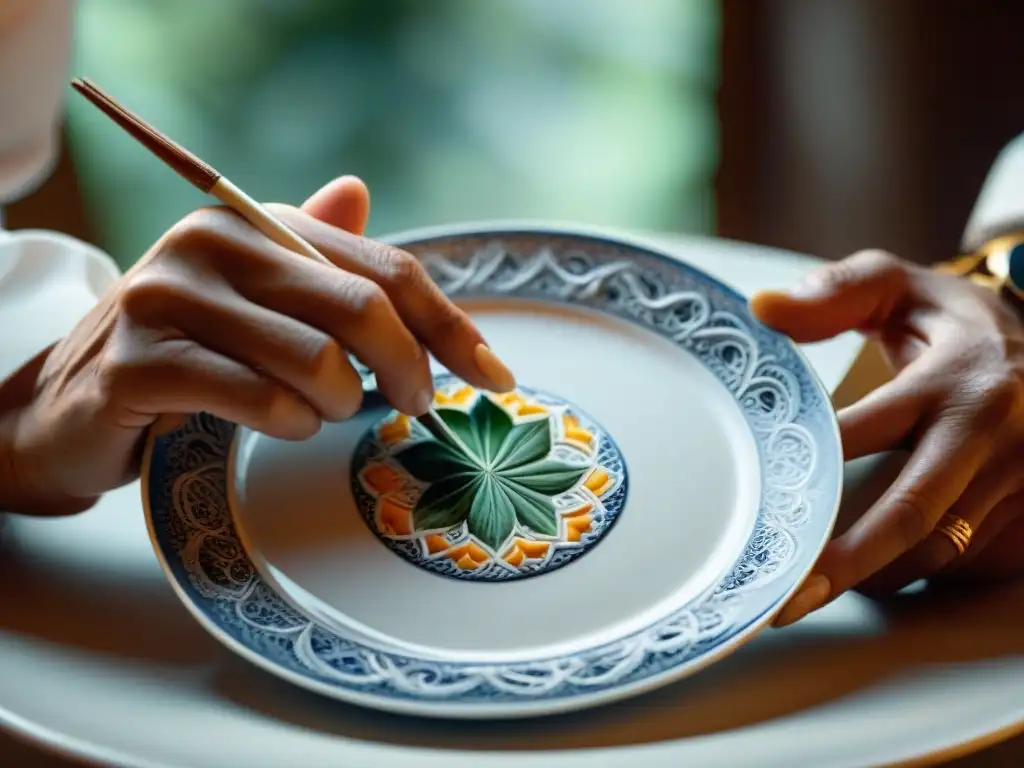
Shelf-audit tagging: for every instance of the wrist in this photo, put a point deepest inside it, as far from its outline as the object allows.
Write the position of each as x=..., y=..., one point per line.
x=20, y=491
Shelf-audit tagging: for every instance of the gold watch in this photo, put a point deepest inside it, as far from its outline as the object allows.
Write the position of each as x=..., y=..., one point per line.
x=997, y=265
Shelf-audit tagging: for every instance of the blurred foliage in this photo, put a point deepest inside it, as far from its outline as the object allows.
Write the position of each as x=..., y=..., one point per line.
x=595, y=111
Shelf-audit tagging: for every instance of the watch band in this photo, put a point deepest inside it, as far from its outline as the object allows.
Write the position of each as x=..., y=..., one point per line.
x=997, y=265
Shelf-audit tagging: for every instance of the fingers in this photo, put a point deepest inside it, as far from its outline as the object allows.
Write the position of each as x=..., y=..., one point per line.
x=946, y=460
x=886, y=417
x=357, y=314
x=181, y=377
x=859, y=293
x=301, y=358
x=937, y=551
x=216, y=247
x=343, y=203
x=380, y=306
x=442, y=327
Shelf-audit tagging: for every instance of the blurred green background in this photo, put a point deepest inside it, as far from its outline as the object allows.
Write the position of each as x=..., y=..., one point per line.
x=593, y=111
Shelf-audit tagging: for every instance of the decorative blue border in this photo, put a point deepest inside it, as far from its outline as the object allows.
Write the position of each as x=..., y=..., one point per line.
x=787, y=409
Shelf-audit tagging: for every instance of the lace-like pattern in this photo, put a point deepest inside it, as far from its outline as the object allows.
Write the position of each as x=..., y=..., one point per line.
x=783, y=404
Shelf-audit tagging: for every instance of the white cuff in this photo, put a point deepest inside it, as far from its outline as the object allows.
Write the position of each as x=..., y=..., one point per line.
x=48, y=283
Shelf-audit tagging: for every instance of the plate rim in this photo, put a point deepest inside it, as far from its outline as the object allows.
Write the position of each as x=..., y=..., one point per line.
x=525, y=708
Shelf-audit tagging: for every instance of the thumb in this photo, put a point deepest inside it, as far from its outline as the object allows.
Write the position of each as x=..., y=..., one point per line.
x=342, y=203
x=859, y=293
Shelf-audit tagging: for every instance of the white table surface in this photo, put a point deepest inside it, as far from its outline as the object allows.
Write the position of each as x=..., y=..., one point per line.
x=95, y=649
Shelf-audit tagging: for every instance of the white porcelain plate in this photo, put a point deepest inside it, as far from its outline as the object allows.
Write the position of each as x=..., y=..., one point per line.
x=661, y=482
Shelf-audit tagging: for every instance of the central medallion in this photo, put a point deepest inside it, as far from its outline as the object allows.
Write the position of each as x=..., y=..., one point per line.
x=518, y=484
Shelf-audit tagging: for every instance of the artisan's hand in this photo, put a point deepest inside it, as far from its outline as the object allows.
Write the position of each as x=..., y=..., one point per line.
x=217, y=318
x=957, y=402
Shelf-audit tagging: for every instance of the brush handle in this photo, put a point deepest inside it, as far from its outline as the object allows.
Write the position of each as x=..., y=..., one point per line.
x=235, y=199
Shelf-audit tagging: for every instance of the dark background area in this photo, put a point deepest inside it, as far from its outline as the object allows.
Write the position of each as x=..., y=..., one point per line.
x=864, y=123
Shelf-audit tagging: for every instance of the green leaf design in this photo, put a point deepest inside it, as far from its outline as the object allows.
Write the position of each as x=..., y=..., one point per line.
x=482, y=431
x=492, y=518
x=533, y=510
x=431, y=461
x=524, y=444
x=460, y=423
x=494, y=475
x=445, y=504
x=547, y=476
x=492, y=425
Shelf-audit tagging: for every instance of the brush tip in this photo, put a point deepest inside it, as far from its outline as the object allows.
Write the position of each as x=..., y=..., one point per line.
x=173, y=154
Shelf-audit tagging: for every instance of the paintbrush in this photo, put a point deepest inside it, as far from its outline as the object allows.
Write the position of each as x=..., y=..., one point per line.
x=208, y=180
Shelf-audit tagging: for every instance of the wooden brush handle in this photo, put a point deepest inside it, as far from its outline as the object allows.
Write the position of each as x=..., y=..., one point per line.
x=260, y=218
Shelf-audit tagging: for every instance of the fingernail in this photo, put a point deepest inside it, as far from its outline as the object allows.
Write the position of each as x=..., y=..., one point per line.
x=422, y=402
x=811, y=596
x=491, y=367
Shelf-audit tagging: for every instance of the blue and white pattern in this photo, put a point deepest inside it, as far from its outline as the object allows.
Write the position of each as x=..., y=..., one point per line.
x=786, y=408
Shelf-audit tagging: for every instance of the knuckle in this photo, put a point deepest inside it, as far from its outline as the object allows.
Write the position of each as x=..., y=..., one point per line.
x=392, y=267
x=370, y=252
x=117, y=371
x=198, y=229
x=1001, y=393
x=834, y=277
x=323, y=358
x=365, y=298
x=995, y=395
x=208, y=239
x=152, y=294
x=914, y=518
x=878, y=260
x=867, y=265
x=399, y=269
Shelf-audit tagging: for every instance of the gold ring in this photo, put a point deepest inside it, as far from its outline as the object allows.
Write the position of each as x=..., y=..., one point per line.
x=957, y=530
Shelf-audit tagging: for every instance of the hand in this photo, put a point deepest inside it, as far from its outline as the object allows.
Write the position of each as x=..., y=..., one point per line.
x=217, y=318
x=957, y=402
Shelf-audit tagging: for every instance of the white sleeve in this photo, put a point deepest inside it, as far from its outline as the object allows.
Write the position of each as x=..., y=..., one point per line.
x=48, y=282
x=1000, y=206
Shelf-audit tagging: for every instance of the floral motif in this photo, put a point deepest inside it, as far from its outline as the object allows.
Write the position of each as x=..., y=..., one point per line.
x=512, y=481
x=493, y=475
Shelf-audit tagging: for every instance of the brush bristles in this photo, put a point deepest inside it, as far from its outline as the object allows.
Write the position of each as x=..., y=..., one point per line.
x=187, y=165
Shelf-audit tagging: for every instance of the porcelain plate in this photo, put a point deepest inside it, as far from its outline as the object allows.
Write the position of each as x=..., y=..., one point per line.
x=662, y=480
